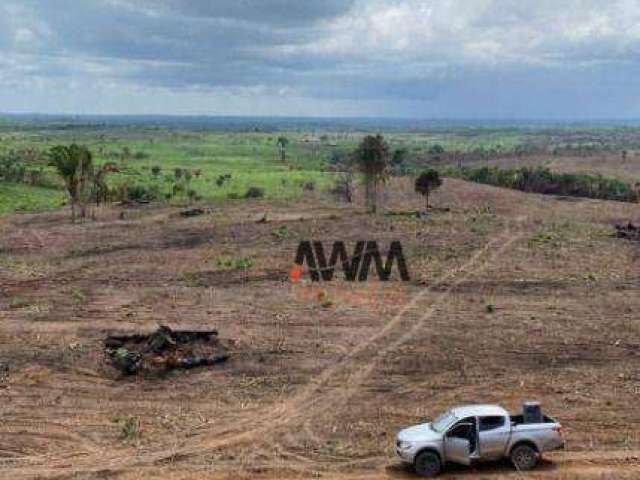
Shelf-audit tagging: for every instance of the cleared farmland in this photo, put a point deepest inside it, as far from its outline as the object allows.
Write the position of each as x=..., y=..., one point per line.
x=321, y=376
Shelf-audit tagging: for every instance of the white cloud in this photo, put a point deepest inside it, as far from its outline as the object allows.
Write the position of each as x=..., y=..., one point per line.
x=358, y=56
x=483, y=31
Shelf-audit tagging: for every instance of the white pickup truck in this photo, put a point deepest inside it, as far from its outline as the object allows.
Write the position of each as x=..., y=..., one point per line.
x=477, y=433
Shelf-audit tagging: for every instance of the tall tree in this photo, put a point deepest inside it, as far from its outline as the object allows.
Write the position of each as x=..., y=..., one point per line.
x=372, y=158
x=74, y=164
x=427, y=182
x=282, y=143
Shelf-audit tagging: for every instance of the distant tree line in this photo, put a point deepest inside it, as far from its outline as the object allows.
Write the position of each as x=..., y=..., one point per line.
x=543, y=180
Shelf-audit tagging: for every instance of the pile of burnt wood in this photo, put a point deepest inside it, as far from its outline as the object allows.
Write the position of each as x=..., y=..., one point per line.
x=164, y=350
x=629, y=231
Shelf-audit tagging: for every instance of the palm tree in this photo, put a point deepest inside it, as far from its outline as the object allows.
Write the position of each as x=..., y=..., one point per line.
x=372, y=158
x=74, y=164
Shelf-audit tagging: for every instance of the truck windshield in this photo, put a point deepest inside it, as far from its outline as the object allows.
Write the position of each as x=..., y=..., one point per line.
x=441, y=423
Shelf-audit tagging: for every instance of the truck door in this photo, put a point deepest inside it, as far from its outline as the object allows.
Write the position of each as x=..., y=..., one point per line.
x=493, y=434
x=456, y=441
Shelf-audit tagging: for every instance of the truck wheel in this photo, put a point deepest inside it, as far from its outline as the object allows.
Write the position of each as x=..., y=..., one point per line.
x=524, y=457
x=427, y=464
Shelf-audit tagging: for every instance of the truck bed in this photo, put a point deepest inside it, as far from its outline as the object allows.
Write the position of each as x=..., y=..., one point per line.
x=518, y=420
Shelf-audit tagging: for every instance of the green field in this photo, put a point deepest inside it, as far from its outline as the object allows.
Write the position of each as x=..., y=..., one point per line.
x=182, y=164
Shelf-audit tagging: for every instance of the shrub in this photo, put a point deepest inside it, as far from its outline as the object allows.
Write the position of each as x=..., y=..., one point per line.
x=12, y=169
x=398, y=161
x=280, y=232
x=343, y=187
x=222, y=179
x=436, y=149
x=155, y=170
x=193, y=195
x=177, y=189
x=254, y=192
x=240, y=263
x=130, y=429
x=309, y=186
x=141, y=193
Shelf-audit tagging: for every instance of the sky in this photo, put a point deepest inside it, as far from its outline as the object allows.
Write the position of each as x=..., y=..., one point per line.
x=471, y=59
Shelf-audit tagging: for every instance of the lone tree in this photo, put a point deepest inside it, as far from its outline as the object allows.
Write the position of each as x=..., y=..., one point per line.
x=74, y=164
x=372, y=158
x=282, y=147
x=427, y=182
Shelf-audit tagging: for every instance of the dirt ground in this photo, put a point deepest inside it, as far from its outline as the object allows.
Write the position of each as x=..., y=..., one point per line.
x=512, y=297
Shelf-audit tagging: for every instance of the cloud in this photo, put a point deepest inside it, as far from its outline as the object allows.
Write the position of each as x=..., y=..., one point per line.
x=276, y=13
x=388, y=57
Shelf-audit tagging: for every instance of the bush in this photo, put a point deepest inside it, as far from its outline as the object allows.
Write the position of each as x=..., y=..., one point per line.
x=309, y=186
x=141, y=193
x=254, y=192
x=193, y=195
x=12, y=169
x=220, y=181
x=177, y=189
x=343, y=187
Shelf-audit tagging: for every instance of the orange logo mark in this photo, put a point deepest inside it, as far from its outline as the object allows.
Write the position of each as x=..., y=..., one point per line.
x=295, y=273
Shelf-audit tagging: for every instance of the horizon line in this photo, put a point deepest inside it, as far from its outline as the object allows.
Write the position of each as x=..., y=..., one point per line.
x=327, y=117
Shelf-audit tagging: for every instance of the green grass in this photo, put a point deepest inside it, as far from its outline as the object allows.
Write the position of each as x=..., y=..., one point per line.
x=25, y=198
